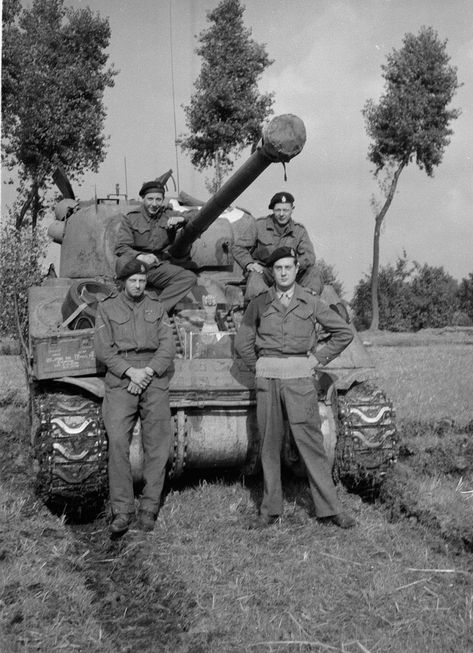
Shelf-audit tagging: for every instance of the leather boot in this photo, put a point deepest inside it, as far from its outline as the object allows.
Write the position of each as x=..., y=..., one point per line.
x=342, y=520
x=146, y=520
x=120, y=523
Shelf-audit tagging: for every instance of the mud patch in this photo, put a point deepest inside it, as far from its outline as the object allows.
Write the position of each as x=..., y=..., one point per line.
x=141, y=603
x=433, y=481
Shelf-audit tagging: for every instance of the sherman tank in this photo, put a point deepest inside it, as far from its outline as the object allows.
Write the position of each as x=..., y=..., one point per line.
x=212, y=393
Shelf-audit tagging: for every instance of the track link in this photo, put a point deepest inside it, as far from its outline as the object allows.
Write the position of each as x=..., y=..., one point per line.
x=70, y=449
x=368, y=441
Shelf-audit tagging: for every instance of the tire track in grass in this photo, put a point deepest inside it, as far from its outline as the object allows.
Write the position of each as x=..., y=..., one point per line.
x=140, y=602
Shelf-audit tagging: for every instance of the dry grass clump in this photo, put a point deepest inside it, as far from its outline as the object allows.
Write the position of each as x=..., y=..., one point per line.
x=141, y=608
x=203, y=582
x=44, y=605
x=439, y=502
x=436, y=459
x=437, y=448
x=430, y=384
x=300, y=585
x=12, y=382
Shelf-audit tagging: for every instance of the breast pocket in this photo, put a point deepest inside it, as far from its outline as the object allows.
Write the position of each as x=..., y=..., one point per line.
x=304, y=313
x=271, y=323
x=121, y=330
x=141, y=236
x=301, y=327
x=264, y=247
x=152, y=318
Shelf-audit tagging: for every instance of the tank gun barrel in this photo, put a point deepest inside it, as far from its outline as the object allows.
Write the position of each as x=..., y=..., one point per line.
x=283, y=138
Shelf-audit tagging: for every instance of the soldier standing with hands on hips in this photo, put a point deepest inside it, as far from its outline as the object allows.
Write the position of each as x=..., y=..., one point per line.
x=277, y=339
x=134, y=340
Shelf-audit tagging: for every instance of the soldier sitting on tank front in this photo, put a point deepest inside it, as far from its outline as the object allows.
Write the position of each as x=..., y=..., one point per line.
x=134, y=340
x=144, y=233
x=263, y=236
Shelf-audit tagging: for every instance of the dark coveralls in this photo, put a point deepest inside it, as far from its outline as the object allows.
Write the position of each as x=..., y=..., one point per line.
x=141, y=234
x=260, y=240
x=270, y=329
x=135, y=334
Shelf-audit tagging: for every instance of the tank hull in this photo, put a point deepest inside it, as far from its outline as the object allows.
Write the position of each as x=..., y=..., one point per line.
x=212, y=398
x=212, y=394
x=213, y=428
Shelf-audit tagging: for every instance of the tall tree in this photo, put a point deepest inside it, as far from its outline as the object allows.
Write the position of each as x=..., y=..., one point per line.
x=410, y=122
x=465, y=295
x=54, y=76
x=226, y=110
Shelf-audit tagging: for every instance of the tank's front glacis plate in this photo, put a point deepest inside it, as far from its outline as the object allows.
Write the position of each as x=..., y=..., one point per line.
x=207, y=381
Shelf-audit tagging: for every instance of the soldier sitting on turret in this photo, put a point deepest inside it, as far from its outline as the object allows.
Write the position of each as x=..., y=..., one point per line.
x=263, y=236
x=145, y=231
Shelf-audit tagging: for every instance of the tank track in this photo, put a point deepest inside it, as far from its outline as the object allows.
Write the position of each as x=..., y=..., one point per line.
x=70, y=448
x=368, y=442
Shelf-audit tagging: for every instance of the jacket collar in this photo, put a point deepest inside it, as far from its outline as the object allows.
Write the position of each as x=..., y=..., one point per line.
x=298, y=297
x=130, y=302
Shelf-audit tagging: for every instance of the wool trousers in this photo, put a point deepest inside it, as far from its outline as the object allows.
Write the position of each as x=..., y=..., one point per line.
x=171, y=282
x=294, y=399
x=120, y=411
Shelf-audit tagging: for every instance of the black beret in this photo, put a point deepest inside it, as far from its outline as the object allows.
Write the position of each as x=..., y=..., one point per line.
x=281, y=252
x=126, y=267
x=281, y=198
x=152, y=187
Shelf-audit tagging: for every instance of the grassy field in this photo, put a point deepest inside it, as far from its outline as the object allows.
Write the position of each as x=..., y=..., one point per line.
x=428, y=375
x=12, y=378
x=203, y=582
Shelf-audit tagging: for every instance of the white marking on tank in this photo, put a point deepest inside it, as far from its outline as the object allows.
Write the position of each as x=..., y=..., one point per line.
x=71, y=430
x=371, y=420
x=67, y=454
x=372, y=445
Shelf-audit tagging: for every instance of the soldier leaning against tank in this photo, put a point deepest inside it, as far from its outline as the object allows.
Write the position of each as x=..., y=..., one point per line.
x=263, y=235
x=277, y=340
x=134, y=340
x=144, y=233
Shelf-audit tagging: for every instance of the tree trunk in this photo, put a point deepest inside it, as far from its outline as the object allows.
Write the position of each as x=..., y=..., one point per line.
x=36, y=206
x=374, y=326
x=21, y=215
x=33, y=196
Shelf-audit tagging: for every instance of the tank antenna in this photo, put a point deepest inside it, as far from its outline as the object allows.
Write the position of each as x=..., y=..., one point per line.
x=173, y=94
x=126, y=179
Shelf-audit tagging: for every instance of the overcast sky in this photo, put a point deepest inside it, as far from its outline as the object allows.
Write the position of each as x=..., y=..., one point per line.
x=327, y=63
